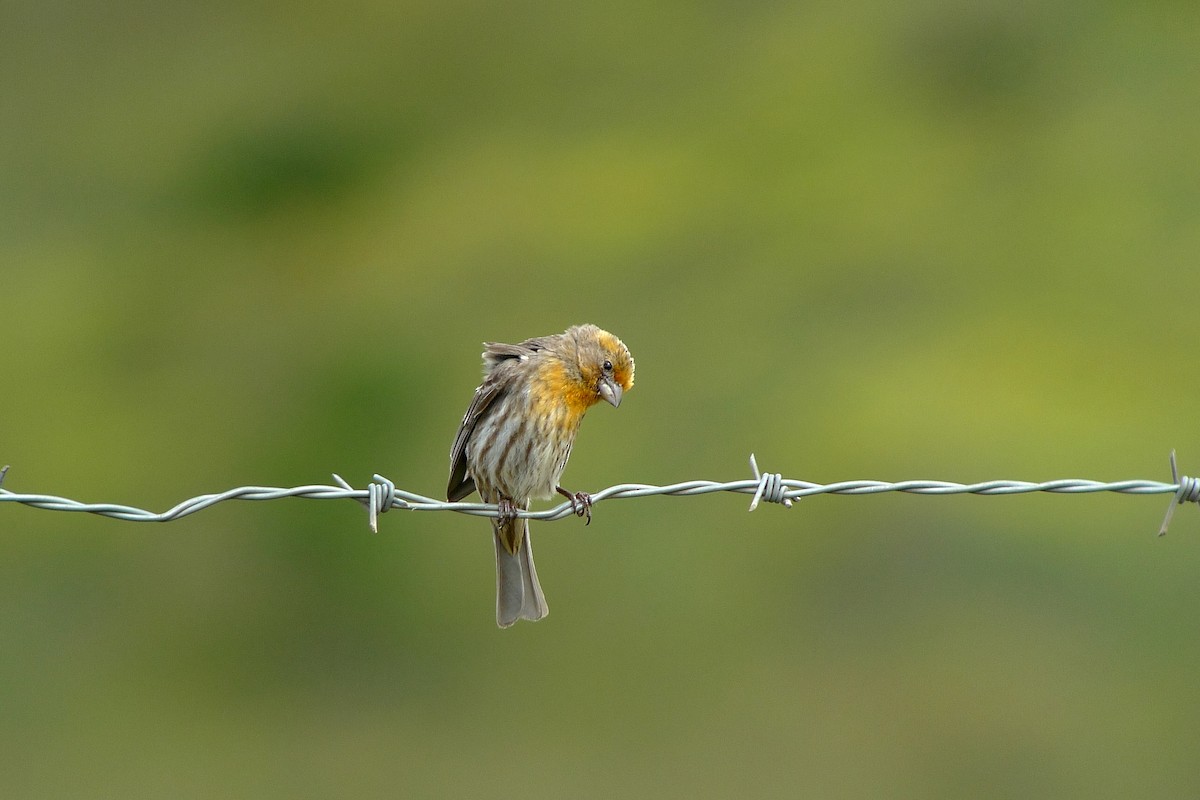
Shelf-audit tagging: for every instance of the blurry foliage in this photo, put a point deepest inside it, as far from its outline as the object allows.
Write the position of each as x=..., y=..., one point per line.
x=259, y=244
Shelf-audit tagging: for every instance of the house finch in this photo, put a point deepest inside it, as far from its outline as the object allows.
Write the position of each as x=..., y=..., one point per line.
x=516, y=436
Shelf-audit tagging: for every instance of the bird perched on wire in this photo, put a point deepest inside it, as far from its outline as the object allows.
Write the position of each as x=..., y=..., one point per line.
x=516, y=436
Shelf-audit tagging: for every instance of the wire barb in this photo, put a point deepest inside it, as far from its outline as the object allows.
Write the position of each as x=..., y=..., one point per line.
x=770, y=487
x=381, y=497
x=1188, y=492
x=3, y=472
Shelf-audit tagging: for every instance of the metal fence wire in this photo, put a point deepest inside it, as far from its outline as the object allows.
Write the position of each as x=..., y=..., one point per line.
x=381, y=495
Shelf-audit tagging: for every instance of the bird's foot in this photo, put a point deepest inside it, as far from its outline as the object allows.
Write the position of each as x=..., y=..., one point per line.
x=581, y=503
x=506, y=511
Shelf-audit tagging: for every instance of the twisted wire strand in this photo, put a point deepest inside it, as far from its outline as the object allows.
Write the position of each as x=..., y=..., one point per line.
x=382, y=495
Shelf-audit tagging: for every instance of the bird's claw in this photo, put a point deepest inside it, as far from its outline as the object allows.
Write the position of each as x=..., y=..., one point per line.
x=506, y=511
x=581, y=503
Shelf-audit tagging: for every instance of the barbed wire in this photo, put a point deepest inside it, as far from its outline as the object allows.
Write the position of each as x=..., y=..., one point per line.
x=382, y=495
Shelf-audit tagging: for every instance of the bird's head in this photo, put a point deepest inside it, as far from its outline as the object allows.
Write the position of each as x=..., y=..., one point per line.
x=602, y=362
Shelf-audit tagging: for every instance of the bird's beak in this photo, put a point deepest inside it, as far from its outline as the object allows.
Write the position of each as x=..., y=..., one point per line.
x=611, y=391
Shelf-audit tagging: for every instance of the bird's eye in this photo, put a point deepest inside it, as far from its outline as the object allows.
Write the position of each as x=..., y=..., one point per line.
x=607, y=366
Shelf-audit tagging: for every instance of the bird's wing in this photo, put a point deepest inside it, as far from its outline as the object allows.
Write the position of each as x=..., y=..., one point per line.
x=542, y=342
x=461, y=483
x=496, y=353
x=499, y=360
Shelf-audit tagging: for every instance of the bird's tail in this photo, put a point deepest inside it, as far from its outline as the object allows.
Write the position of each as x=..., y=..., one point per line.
x=518, y=593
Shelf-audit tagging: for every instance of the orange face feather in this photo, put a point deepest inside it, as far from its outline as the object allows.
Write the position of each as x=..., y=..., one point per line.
x=572, y=380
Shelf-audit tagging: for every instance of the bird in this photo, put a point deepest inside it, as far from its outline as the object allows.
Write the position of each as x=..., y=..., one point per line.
x=516, y=437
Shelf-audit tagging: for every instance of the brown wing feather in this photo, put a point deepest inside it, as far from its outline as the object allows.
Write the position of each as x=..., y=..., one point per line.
x=499, y=361
x=497, y=358
x=495, y=353
x=461, y=483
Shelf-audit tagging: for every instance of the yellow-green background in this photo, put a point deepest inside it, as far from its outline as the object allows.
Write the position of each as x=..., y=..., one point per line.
x=260, y=243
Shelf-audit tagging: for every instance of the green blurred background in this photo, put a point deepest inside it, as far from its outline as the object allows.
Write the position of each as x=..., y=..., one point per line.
x=260, y=243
